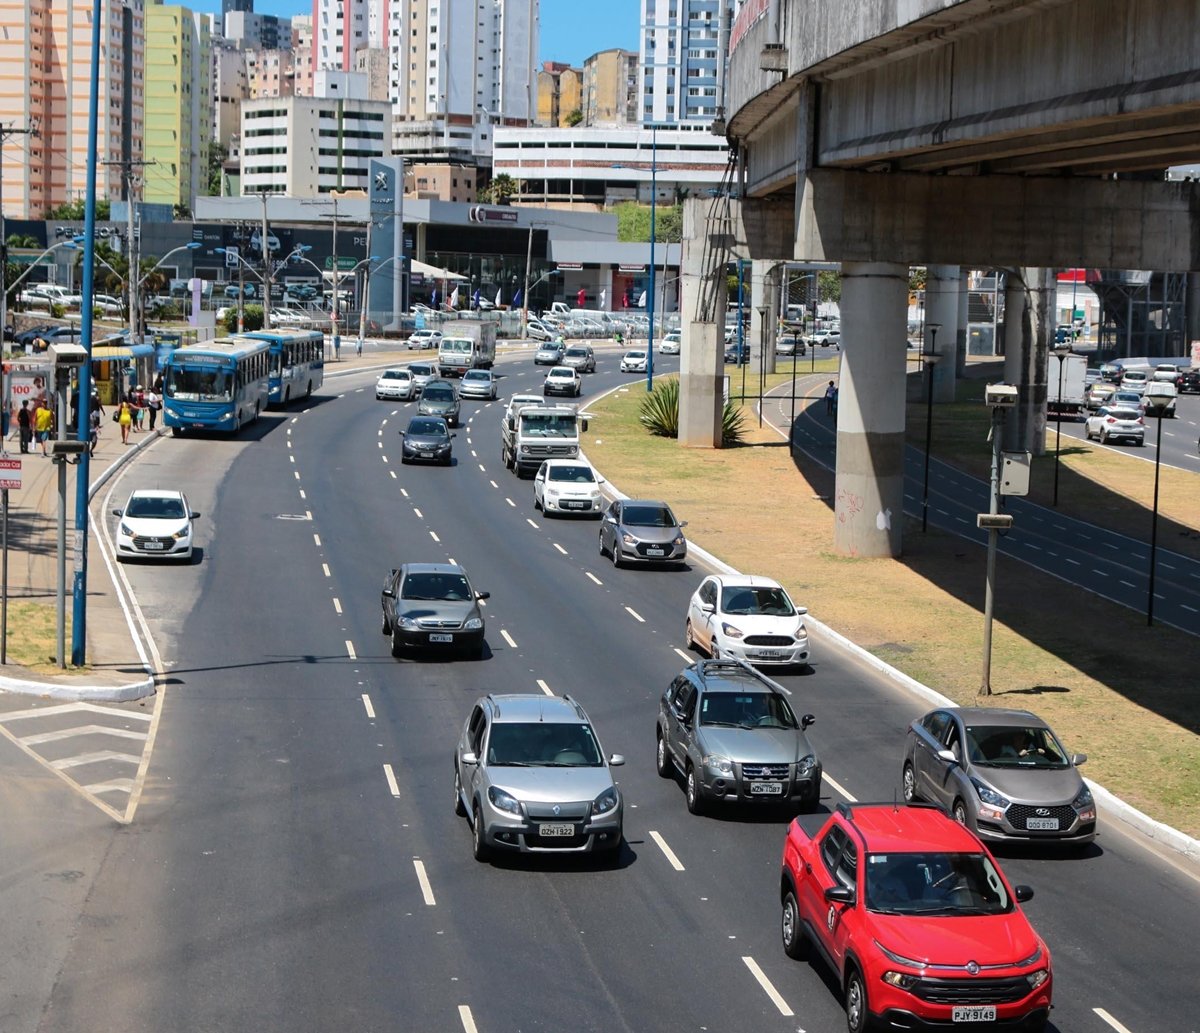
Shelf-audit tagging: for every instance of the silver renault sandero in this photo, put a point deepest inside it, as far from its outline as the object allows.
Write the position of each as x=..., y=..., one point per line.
x=530, y=774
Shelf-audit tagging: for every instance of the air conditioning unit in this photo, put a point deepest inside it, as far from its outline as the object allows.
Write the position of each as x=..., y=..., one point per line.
x=774, y=58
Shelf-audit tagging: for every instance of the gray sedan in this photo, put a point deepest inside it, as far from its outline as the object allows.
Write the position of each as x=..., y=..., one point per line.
x=1002, y=773
x=432, y=607
x=478, y=383
x=549, y=354
x=642, y=531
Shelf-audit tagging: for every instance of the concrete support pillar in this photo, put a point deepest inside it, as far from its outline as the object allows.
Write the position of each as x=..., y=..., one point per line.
x=764, y=313
x=1192, y=313
x=869, y=504
x=942, y=283
x=1028, y=332
x=702, y=298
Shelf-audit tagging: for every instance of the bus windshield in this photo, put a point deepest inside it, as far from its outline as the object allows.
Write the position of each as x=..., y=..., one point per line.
x=203, y=384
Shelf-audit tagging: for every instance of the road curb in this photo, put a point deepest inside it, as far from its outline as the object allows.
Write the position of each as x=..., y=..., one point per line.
x=85, y=691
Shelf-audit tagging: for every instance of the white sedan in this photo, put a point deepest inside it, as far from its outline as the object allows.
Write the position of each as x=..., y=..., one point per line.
x=563, y=380
x=747, y=617
x=634, y=361
x=567, y=486
x=671, y=343
x=424, y=339
x=155, y=523
x=396, y=383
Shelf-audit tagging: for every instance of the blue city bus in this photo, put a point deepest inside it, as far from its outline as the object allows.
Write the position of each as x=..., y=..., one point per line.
x=219, y=385
x=297, y=363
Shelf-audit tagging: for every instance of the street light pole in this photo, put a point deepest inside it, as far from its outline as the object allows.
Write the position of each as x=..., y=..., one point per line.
x=1154, y=527
x=650, y=296
x=930, y=358
x=1060, y=352
x=266, y=257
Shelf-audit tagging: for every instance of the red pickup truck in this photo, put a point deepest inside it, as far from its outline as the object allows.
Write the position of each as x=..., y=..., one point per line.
x=917, y=922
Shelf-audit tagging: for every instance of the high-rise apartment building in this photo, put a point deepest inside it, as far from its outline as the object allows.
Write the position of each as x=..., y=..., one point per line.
x=680, y=61
x=559, y=94
x=610, y=89
x=302, y=50
x=178, y=118
x=46, y=46
x=270, y=73
x=229, y=89
x=252, y=31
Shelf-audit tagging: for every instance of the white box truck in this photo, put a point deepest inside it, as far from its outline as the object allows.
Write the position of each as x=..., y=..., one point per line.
x=1072, y=398
x=466, y=345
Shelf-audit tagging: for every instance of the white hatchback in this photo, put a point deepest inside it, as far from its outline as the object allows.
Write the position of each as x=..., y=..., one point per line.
x=155, y=523
x=395, y=383
x=567, y=486
x=634, y=361
x=672, y=343
x=747, y=617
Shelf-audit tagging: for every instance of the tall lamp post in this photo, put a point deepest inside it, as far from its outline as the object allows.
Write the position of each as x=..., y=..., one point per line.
x=1061, y=351
x=650, y=296
x=930, y=358
x=1154, y=527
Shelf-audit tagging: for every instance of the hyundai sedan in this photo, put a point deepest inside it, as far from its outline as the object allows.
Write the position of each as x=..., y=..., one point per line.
x=549, y=354
x=634, y=361
x=478, y=383
x=642, y=531
x=155, y=523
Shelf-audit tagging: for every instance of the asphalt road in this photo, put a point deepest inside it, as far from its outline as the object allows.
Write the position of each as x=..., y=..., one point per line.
x=1180, y=436
x=295, y=863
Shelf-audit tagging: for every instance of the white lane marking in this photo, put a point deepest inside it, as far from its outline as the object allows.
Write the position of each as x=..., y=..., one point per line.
x=297, y=472
x=291, y=459
x=420, y=516
x=367, y=705
x=454, y=563
x=531, y=523
x=560, y=548
x=474, y=455
x=383, y=424
x=433, y=535
x=545, y=688
x=1191, y=608
x=325, y=568
x=317, y=540
x=289, y=430
x=494, y=484
x=635, y=615
x=593, y=577
x=337, y=604
x=379, y=443
x=770, y=990
x=482, y=468
x=423, y=879
x=308, y=514
x=839, y=788
x=1097, y=571
x=380, y=430
x=384, y=458
x=1119, y=1027
x=668, y=853
x=464, y=1015
x=685, y=656
x=1129, y=584
x=294, y=419
x=1069, y=560
x=1030, y=545
x=350, y=650
x=390, y=775
x=508, y=638
x=511, y=503
x=404, y=492
x=302, y=495
x=393, y=473
x=1166, y=566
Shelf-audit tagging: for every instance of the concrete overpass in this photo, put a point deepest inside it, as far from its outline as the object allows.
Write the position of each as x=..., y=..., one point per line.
x=1030, y=135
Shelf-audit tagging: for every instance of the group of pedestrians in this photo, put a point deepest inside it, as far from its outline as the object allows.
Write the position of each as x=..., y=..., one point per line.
x=35, y=424
x=130, y=414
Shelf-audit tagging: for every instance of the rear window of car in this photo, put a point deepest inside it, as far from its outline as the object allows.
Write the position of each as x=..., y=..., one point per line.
x=1124, y=414
x=577, y=353
x=420, y=370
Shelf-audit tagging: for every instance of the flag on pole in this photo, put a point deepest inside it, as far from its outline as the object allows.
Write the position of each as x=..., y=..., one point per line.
x=454, y=298
x=498, y=301
x=517, y=299
x=433, y=299
x=642, y=300
x=603, y=299
x=475, y=298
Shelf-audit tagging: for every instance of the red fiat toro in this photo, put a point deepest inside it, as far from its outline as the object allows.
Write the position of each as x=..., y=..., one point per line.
x=913, y=915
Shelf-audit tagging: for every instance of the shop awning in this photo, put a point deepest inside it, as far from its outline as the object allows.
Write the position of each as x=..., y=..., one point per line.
x=121, y=351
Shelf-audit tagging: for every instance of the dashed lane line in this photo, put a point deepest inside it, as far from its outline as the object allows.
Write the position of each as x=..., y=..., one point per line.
x=325, y=568
x=350, y=650
x=559, y=548
x=433, y=535
x=511, y=503
x=423, y=879
x=508, y=638
x=593, y=577
x=390, y=775
x=545, y=688
x=465, y=1017
x=635, y=615
x=768, y=988
x=419, y=514
x=1118, y=1026
x=531, y=523
x=337, y=605
x=316, y=540
x=841, y=789
x=668, y=853
x=686, y=657
x=366, y=701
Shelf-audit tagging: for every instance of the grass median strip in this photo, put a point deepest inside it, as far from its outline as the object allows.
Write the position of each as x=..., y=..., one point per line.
x=1112, y=687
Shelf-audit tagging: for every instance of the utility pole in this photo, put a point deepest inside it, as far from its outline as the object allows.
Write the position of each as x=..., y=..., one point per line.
x=5, y=132
x=266, y=257
x=131, y=248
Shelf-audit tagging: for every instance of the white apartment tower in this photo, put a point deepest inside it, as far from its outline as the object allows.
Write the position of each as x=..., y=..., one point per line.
x=681, y=61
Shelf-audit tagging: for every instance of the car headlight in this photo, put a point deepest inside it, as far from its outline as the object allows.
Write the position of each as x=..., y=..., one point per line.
x=502, y=801
x=225, y=417
x=605, y=802
x=722, y=765
x=1085, y=805
x=801, y=631
x=409, y=623
x=628, y=538
x=552, y=492
x=994, y=804
x=126, y=530
x=678, y=540
x=730, y=630
x=473, y=624
x=903, y=980
x=183, y=532
x=1036, y=979
x=805, y=767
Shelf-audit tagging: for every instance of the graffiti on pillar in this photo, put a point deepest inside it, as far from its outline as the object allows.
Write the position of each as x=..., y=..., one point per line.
x=883, y=520
x=849, y=506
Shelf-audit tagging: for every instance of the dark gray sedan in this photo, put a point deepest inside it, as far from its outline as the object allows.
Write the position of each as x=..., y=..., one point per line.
x=426, y=440
x=1002, y=773
x=642, y=531
x=438, y=398
x=432, y=607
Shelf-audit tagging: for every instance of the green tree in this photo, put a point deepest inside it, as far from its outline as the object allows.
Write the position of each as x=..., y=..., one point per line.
x=12, y=270
x=574, y=118
x=181, y=212
x=829, y=285
x=252, y=318
x=216, y=158
x=633, y=222
x=75, y=211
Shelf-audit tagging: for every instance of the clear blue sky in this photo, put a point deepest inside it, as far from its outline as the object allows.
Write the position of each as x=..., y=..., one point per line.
x=571, y=29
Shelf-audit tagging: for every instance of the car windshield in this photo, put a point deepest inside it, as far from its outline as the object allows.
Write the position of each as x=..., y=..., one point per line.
x=935, y=884
x=548, y=425
x=635, y=355
x=647, y=516
x=150, y=507
x=574, y=474
x=445, y=586
x=1013, y=746
x=476, y=374
x=746, y=710
x=199, y=384
x=543, y=744
x=396, y=374
x=564, y=374
x=437, y=394
x=427, y=427
x=772, y=602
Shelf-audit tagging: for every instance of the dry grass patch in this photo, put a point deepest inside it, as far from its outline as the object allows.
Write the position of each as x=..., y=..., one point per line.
x=33, y=637
x=1112, y=687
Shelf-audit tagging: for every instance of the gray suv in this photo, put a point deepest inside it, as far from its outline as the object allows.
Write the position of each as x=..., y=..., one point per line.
x=732, y=733
x=530, y=774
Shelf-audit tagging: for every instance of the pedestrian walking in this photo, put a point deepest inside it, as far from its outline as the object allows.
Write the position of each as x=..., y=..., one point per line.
x=25, y=425
x=153, y=404
x=124, y=417
x=43, y=424
x=830, y=399
x=93, y=430
x=139, y=407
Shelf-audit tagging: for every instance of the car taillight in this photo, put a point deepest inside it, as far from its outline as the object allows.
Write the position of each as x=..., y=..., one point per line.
x=1111, y=419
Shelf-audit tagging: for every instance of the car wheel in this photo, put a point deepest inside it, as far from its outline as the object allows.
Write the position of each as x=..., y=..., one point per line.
x=960, y=813
x=176, y=432
x=537, y=503
x=397, y=647
x=909, y=783
x=603, y=550
x=459, y=807
x=615, y=552
x=479, y=848
x=858, y=1015
x=386, y=627
x=1103, y=438
x=689, y=640
x=792, y=929
x=695, y=802
x=662, y=759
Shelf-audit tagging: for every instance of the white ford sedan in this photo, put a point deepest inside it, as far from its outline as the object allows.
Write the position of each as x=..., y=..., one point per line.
x=747, y=617
x=155, y=523
x=395, y=383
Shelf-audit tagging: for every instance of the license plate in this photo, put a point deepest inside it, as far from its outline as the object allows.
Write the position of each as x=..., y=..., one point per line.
x=556, y=830
x=153, y=546
x=766, y=788
x=434, y=637
x=1041, y=824
x=973, y=1013
x=769, y=654
x=577, y=505
x=656, y=552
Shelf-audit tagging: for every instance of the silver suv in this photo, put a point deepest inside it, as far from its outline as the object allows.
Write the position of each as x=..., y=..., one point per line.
x=531, y=776
x=731, y=732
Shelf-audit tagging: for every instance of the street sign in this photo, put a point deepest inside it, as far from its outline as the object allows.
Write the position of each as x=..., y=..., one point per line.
x=231, y=257
x=10, y=474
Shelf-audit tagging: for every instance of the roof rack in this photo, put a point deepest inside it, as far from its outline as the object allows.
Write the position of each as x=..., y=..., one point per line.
x=704, y=666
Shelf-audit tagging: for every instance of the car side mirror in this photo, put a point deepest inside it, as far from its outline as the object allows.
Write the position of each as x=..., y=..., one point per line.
x=1078, y=758
x=454, y=435
x=616, y=760
x=947, y=756
x=483, y=595
x=599, y=479
x=683, y=523
x=1023, y=893
x=807, y=720
x=802, y=610
x=470, y=758
x=194, y=515
x=583, y=425
x=840, y=895
x=118, y=512
x=708, y=608
x=389, y=593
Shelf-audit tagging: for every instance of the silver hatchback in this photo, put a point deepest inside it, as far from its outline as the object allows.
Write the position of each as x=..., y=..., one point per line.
x=531, y=776
x=1002, y=773
x=642, y=531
